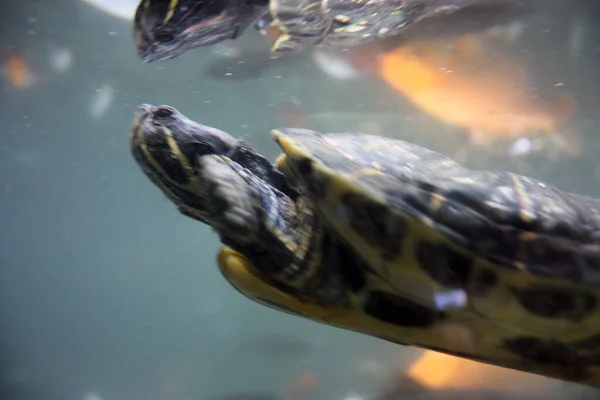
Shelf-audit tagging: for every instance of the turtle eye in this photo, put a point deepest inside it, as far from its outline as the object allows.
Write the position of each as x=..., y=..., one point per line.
x=163, y=113
x=164, y=35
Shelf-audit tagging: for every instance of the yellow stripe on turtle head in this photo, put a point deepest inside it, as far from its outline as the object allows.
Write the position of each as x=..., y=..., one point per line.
x=171, y=12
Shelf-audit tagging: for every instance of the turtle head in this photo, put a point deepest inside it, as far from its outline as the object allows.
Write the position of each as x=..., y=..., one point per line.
x=219, y=180
x=164, y=29
x=169, y=147
x=210, y=175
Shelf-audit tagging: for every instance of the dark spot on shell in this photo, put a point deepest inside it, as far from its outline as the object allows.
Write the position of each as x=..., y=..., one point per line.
x=352, y=267
x=367, y=219
x=304, y=167
x=306, y=172
x=556, y=302
x=484, y=280
x=375, y=224
x=345, y=261
x=399, y=311
x=444, y=265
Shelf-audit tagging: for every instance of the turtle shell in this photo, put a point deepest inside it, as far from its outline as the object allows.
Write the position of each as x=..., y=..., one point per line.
x=499, y=246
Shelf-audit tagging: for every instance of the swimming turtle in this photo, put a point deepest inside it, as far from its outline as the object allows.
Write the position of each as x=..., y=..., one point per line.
x=392, y=240
x=164, y=29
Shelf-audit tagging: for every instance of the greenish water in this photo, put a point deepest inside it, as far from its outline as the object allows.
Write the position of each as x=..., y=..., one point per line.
x=106, y=289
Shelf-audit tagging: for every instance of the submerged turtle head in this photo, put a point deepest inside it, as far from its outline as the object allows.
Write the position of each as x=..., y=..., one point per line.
x=169, y=148
x=164, y=29
x=214, y=178
x=274, y=239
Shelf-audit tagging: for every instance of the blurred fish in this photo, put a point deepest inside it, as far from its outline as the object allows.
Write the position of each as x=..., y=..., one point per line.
x=472, y=85
x=17, y=72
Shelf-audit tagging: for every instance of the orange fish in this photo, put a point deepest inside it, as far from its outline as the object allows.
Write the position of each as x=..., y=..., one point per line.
x=480, y=89
x=439, y=371
x=437, y=376
x=17, y=72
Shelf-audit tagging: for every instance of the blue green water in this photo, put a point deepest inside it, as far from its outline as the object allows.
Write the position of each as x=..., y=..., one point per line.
x=106, y=289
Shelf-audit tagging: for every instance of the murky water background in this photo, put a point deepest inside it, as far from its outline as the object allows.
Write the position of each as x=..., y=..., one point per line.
x=105, y=290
